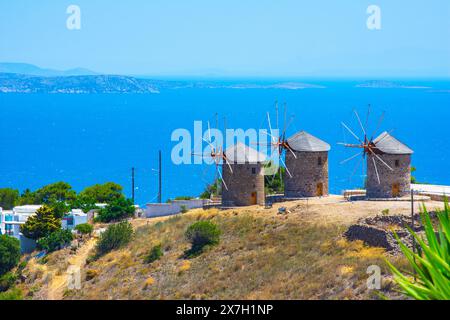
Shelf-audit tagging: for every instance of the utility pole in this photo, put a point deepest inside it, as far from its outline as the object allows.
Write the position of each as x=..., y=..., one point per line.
x=160, y=180
x=132, y=184
x=215, y=139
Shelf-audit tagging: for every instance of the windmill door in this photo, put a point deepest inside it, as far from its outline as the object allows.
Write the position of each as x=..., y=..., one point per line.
x=253, y=199
x=396, y=190
x=319, y=190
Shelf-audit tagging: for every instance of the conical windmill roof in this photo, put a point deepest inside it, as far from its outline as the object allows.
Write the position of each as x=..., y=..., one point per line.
x=241, y=153
x=388, y=144
x=303, y=141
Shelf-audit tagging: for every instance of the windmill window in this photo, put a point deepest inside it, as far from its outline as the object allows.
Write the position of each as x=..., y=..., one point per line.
x=319, y=161
x=253, y=170
x=397, y=163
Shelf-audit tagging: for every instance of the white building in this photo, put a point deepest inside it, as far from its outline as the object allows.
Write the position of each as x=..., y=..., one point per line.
x=74, y=218
x=11, y=220
x=24, y=212
x=154, y=210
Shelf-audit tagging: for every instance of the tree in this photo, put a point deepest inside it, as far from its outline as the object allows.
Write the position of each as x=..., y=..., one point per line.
x=60, y=209
x=413, y=178
x=84, y=203
x=117, y=210
x=102, y=193
x=42, y=224
x=27, y=197
x=59, y=191
x=211, y=190
x=8, y=198
x=9, y=253
x=274, y=184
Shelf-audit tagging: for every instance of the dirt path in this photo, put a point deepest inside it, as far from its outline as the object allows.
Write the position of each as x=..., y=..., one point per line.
x=59, y=283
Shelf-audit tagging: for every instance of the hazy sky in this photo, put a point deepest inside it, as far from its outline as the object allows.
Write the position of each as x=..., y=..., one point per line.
x=292, y=38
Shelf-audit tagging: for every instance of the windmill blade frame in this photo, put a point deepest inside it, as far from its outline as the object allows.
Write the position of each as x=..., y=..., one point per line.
x=351, y=158
x=376, y=170
x=360, y=123
x=351, y=132
x=382, y=161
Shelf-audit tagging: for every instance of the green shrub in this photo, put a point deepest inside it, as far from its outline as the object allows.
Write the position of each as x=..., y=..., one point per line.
x=201, y=234
x=55, y=241
x=13, y=294
x=7, y=281
x=9, y=253
x=117, y=210
x=385, y=212
x=184, y=198
x=155, y=254
x=84, y=228
x=431, y=262
x=116, y=236
x=184, y=209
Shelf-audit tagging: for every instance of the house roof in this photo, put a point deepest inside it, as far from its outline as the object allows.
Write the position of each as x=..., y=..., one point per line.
x=241, y=153
x=388, y=144
x=303, y=141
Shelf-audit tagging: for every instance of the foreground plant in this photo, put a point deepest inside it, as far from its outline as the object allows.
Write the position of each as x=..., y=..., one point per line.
x=432, y=261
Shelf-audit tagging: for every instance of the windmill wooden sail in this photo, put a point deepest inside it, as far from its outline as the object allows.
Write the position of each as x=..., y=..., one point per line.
x=218, y=157
x=278, y=142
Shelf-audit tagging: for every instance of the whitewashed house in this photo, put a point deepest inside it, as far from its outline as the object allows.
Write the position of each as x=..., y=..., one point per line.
x=74, y=218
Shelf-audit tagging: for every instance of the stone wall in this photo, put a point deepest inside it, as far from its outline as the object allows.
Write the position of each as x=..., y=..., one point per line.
x=401, y=175
x=242, y=183
x=307, y=172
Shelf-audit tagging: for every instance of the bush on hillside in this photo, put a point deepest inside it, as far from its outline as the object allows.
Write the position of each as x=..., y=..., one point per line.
x=55, y=241
x=117, y=210
x=115, y=237
x=84, y=228
x=7, y=281
x=155, y=254
x=201, y=234
x=184, y=209
x=13, y=294
x=9, y=253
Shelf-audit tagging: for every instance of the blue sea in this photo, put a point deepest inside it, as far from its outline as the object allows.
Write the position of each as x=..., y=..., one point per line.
x=89, y=139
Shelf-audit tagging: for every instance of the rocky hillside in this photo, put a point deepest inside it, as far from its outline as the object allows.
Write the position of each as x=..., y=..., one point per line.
x=261, y=255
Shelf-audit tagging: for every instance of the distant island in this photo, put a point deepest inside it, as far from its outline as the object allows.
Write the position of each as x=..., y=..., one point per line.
x=19, y=83
x=28, y=78
x=381, y=84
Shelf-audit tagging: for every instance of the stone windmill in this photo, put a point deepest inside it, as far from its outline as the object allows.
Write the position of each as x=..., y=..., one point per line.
x=309, y=167
x=388, y=162
x=243, y=176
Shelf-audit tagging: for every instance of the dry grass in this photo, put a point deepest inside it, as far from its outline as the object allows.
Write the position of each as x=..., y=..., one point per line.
x=259, y=257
